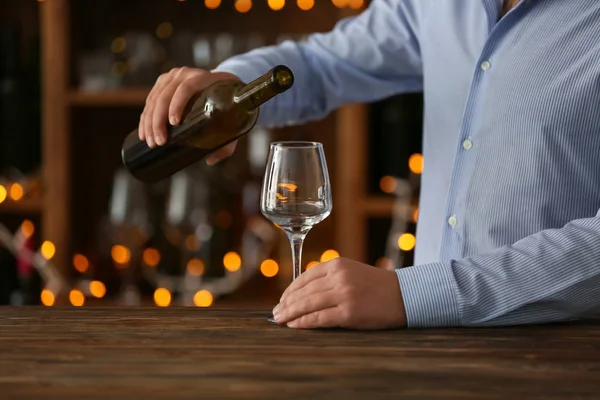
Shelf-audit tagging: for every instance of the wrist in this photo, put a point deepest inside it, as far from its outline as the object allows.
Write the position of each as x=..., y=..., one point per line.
x=396, y=300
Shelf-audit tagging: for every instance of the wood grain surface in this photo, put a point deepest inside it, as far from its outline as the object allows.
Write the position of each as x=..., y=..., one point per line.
x=172, y=353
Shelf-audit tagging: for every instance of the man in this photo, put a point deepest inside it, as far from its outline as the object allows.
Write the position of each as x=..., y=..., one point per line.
x=509, y=227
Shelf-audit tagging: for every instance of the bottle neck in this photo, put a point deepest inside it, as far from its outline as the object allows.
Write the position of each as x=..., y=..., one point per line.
x=264, y=88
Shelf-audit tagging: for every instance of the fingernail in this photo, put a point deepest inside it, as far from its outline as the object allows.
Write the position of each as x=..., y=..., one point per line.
x=276, y=309
x=210, y=161
x=160, y=140
x=277, y=314
x=174, y=120
x=150, y=141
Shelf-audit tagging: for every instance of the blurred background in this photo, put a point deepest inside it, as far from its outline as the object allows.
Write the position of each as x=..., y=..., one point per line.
x=75, y=229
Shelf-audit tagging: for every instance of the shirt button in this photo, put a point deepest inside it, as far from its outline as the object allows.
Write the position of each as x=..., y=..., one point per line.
x=467, y=144
x=452, y=221
x=486, y=65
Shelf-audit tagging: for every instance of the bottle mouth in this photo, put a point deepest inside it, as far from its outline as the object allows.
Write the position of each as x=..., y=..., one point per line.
x=284, y=77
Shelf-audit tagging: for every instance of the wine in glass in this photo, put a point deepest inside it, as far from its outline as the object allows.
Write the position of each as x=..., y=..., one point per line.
x=296, y=193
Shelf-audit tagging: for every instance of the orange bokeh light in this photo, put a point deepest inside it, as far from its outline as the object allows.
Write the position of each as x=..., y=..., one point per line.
x=232, y=261
x=243, y=6
x=269, y=268
x=81, y=263
x=415, y=163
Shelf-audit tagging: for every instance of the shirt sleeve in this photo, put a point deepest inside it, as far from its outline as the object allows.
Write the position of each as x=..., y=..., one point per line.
x=551, y=276
x=364, y=58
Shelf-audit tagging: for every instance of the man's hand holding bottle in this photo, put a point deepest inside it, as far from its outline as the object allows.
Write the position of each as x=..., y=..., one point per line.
x=167, y=101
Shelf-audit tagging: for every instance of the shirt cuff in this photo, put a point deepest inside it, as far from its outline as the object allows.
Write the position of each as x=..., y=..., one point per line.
x=429, y=294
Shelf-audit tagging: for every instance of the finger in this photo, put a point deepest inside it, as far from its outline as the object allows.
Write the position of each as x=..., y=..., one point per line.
x=196, y=81
x=150, y=140
x=306, y=305
x=303, y=280
x=141, y=133
x=146, y=122
x=182, y=96
x=160, y=112
x=325, y=318
x=221, y=154
x=148, y=130
x=318, y=285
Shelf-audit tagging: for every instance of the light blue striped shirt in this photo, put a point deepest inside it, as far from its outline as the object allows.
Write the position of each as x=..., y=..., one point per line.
x=509, y=222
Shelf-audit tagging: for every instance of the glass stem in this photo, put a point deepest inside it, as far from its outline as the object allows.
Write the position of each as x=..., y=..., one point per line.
x=296, y=241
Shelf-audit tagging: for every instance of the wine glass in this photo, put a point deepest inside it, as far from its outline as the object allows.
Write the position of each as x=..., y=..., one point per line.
x=296, y=193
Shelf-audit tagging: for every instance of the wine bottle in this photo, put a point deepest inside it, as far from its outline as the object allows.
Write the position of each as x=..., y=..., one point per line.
x=217, y=116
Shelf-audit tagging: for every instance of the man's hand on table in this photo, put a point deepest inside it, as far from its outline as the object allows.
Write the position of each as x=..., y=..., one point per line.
x=342, y=293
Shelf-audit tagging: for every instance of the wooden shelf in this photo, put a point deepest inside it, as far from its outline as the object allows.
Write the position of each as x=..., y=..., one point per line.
x=127, y=97
x=378, y=206
x=381, y=206
x=25, y=206
x=60, y=99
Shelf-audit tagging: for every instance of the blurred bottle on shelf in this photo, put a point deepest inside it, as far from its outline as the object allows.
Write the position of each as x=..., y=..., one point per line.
x=138, y=57
x=296, y=37
x=223, y=48
x=144, y=57
x=226, y=45
x=133, y=59
x=187, y=220
x=187, y=227
x=254, y=41
x=201, y=50
x=259, y=139
x=259, y=236
x=180, y=49
x=221, y=206
x=29, y=282
x=128, y=209
x=209, y=50
x=94, y=71
x=130, y=229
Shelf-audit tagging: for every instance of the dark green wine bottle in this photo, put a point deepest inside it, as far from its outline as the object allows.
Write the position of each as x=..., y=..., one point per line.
x=217, y=116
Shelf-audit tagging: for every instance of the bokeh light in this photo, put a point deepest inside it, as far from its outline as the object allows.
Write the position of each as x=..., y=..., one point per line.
x=269, y=268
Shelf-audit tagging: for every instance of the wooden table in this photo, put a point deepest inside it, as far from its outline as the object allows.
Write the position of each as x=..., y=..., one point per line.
x=151, y=353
